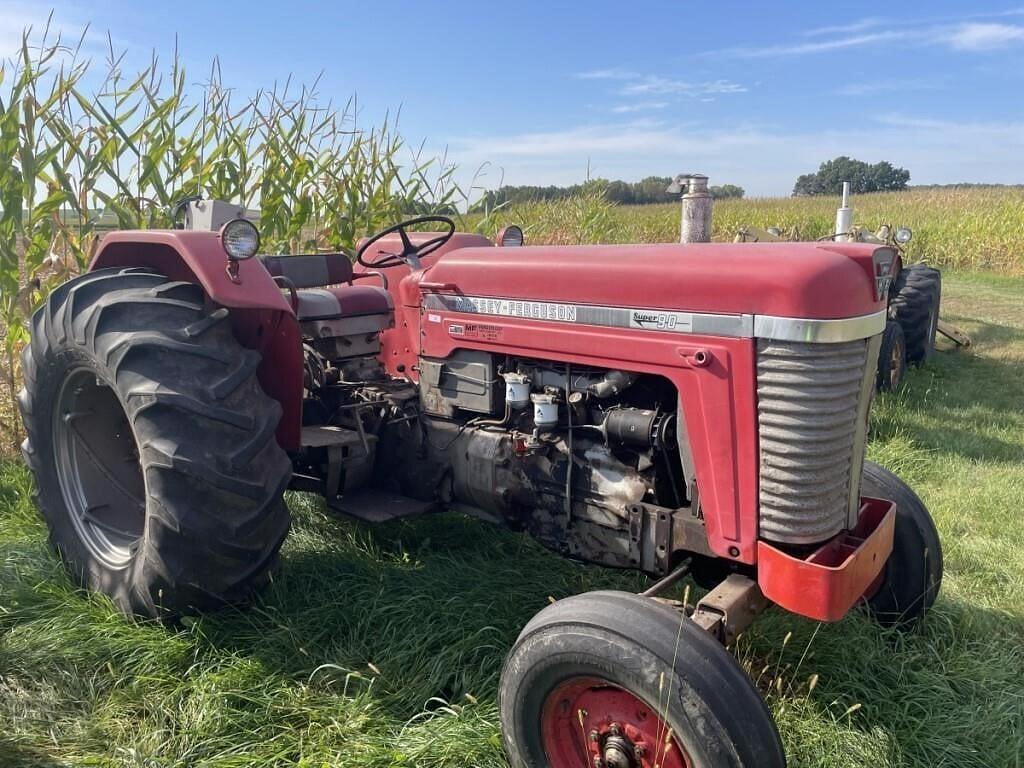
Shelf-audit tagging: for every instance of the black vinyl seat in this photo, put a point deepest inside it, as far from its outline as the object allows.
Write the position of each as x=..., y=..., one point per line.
x=323, y=288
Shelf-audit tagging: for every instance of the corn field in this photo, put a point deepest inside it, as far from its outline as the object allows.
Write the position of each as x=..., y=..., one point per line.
x=87, y=147
x=968, y=228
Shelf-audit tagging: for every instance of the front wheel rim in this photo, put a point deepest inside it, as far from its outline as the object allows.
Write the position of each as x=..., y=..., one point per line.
x=97, y=465
x=588, y=722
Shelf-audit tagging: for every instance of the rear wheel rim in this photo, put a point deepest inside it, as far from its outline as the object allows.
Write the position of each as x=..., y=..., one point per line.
x=896, y=355
x=98, y=471
x=585, y=720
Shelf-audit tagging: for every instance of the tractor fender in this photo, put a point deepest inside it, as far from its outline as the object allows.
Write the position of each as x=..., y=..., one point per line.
x=261, y=317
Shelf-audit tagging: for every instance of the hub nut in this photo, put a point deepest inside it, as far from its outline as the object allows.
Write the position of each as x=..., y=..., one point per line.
x=618, y=752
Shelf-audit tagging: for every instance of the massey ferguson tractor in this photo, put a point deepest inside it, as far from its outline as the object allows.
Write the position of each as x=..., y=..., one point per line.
x=679, y=410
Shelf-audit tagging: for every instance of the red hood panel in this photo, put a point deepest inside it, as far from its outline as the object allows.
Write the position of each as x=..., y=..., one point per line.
x=806, y=280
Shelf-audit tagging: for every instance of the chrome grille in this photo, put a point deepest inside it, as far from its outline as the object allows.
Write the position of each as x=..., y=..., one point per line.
x=812, y=403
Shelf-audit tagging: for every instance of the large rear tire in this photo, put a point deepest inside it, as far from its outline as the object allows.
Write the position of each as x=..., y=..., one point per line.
x=917, y=294
x=152, y=444
x=627, y=680
x=912, y=576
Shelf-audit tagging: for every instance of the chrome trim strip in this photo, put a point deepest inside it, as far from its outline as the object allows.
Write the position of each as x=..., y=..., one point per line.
x=860, y=437
x=640, y=318
x=819, y=331
x=671, y=321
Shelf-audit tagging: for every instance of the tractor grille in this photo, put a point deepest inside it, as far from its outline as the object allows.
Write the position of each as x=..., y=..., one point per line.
x=812, y=402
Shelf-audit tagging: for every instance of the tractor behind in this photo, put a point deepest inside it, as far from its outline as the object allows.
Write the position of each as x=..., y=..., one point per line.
x=914, y=295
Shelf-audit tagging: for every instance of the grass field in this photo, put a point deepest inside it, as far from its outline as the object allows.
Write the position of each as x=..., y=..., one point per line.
x=382, y=646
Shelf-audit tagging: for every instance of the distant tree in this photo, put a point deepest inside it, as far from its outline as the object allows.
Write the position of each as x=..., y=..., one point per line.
x=726, y=191
x=651, y=190
x=880, y=177
x=620, y=192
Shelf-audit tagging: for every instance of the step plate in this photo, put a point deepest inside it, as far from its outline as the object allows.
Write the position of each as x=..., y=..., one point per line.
x=324, y=437
x=375, y=506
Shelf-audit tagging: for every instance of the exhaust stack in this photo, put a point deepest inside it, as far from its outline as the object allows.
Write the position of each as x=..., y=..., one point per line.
x=696, y=207
x=844, y=217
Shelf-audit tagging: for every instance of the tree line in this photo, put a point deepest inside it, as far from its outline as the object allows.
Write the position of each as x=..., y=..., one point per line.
x=648, y=191
x=827, y=180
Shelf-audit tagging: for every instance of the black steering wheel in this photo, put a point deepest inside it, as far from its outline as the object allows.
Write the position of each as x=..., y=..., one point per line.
x=411, y=254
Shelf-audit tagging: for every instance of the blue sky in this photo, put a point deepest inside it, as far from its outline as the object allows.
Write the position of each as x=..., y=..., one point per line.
x=749, y=93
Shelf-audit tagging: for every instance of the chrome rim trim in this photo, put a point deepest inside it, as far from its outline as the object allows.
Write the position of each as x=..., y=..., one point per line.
x=819, y=331
x=665, y=320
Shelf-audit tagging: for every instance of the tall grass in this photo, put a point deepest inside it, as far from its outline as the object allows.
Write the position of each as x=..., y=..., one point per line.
x=89, y=146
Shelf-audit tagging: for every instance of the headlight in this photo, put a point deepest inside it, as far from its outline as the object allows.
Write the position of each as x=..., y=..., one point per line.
x=240, y=238
x=903, y=235
x=511, y=237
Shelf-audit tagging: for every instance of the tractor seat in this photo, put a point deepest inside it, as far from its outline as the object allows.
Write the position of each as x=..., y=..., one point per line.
x=342, y=301
x=322, y=286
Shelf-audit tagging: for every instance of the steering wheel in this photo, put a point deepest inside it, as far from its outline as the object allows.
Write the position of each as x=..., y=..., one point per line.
x=411, y=254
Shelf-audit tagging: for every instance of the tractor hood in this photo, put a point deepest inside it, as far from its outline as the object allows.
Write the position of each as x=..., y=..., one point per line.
x=797, y=280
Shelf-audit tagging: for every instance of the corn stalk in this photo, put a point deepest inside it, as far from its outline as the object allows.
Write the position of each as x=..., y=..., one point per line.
x=77, y=161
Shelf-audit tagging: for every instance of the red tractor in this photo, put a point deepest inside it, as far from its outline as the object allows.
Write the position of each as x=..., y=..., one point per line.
x=680, y=410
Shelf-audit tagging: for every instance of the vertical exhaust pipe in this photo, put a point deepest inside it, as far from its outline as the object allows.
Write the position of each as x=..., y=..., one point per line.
x=696, y=207
x=844, y=217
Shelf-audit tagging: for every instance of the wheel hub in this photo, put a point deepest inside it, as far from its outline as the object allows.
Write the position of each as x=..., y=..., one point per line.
x=619, y=753
x=590, y=722
x=97, y=464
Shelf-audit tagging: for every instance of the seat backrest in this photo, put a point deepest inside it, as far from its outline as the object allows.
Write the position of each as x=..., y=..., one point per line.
x=310, y=271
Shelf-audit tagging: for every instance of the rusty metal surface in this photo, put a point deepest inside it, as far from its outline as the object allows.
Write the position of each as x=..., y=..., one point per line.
x=954, y=334
x=731, y=607
x=672, y=579
x=689, y=533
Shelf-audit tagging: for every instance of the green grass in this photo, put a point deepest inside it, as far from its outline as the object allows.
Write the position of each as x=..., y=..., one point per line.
x=382, y=646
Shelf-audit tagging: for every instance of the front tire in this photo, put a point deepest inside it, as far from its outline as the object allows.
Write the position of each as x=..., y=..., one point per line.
x=152, y=444
x=910, y=581
x=620, y=677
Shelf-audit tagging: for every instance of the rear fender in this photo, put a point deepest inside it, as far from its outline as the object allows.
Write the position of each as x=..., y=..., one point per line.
x=261, y=317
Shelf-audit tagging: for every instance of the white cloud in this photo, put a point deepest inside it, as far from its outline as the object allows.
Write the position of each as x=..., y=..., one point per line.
x=634, y=85
x=885, y=86
x=801, y=49
x=963, y=35
x=861, y=25
x=654, y=84
x=985, y=37
x=607, y=74
x=640, y=106
x=58, y=28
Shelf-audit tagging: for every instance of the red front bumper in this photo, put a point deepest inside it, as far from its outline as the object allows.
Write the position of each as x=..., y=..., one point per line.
x=826, y=584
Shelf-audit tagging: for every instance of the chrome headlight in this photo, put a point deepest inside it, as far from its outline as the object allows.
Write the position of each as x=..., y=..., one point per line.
x=903, y=235
x=240, y=238
x=511, y=236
